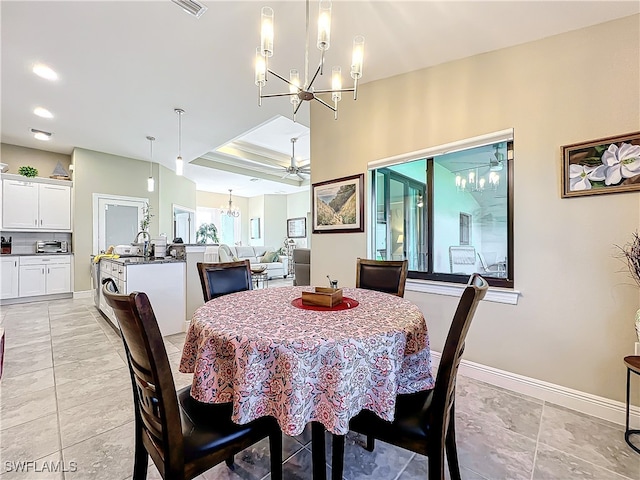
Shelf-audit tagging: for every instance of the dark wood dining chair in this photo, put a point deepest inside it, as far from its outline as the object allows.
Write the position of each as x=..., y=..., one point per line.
x=387, y=276
x=222, y=278
x=424, y=421
x=184, y=437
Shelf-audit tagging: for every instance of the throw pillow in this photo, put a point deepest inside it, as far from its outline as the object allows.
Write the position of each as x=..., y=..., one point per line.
x=269, y=257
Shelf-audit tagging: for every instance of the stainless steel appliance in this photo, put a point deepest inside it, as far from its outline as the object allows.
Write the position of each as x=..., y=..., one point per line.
x=52, y=246
x=6, y=245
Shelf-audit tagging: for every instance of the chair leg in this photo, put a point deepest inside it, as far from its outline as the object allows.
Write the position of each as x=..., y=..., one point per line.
x=451, y=448
x=275, y=452
x=141, y=458
x=230, y=462
x=371, y=443
x=337, y=457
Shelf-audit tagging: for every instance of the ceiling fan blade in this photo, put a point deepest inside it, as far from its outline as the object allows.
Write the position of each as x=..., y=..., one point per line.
x=301, y=177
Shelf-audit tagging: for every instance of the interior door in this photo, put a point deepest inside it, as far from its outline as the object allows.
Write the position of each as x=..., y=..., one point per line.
x=116, y=220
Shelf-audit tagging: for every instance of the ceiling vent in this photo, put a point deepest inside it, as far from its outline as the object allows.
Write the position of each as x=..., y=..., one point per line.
x=191, y=7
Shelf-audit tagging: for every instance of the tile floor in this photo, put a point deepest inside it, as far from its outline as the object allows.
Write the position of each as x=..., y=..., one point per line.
x=66, y=403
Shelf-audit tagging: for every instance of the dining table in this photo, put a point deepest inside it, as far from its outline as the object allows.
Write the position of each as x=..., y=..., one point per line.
x=269, y=353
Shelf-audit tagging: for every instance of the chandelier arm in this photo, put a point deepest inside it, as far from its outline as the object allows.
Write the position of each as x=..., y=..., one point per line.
x=318, y=71
x=295, y=110
x=288, y=94
x=286, y=80
x=331, y=107
x=317, y=92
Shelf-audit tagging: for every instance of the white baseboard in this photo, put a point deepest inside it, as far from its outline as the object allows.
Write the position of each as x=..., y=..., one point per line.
x=594, y=405
x=83, y=294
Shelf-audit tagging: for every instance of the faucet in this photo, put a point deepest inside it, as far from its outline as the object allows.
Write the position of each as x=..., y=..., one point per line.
x=145, y=242
x=143, y=233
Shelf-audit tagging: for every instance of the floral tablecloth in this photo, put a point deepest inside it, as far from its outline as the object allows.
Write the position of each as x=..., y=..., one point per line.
x=270, y=358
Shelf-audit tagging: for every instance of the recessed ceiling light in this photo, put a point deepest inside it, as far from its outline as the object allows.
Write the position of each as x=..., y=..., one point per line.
x=41, y=135
x=43, y=71
x=42, y=112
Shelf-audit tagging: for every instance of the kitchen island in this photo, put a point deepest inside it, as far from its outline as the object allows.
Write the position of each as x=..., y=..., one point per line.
x=162, y=279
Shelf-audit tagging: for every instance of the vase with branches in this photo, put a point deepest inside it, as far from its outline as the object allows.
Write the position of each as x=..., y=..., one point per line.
x=630, y=254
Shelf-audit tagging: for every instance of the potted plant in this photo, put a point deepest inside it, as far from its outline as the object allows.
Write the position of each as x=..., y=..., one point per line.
x=630, y=253
x=207, y=231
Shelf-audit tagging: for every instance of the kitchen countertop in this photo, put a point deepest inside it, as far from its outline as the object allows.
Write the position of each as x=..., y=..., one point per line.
x=144, y=261
x=34, y=254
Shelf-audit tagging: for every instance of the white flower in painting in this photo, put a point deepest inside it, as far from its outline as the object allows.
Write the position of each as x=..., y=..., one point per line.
x=579, y=177
x=622, y=162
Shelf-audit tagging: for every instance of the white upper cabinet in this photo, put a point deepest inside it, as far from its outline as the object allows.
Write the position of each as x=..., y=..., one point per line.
x=55, y=207
x=34, y=205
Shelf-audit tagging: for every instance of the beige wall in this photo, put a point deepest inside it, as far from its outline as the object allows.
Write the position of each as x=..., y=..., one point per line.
x=173, y=189
x=45, y=162
x=275, y=220
x=574, y=321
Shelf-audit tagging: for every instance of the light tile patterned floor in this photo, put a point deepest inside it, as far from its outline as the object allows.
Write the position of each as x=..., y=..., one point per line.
x=66, y=396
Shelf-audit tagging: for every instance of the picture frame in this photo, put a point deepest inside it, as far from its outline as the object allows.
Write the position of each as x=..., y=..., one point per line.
x=606, y=165
x=255, y=228
x=297, y=227
x=337, y=206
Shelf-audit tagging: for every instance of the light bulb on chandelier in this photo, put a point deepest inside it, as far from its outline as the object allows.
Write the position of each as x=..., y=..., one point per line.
x=230, y=211
x=299, y=91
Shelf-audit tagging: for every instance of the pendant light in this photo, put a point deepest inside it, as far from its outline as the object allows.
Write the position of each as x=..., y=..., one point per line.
x=179, y=161
x=150, y=181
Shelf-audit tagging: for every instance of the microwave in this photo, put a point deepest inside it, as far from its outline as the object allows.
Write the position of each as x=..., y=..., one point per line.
x=52, y=246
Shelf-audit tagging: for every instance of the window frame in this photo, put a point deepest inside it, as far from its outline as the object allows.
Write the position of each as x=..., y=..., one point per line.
x=429, y=154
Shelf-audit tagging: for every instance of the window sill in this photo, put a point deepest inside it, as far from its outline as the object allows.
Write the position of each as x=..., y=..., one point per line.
x=494, y=294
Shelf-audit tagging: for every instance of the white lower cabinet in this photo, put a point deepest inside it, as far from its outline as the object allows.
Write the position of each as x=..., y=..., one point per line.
x=9, y=277
x=44, y=275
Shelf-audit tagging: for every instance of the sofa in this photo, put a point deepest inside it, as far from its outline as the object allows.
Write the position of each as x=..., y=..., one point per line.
x=279, y=267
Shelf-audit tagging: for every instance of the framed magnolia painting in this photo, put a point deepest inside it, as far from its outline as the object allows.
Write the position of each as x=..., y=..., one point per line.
x=608, y=165
x=338, y=205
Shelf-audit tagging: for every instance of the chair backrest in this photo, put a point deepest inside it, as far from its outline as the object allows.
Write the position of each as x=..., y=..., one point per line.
x=389, y=276
x=156, y=406
x=302, y=266
x=444, y=391
x=222, y=278
x=462, y=259
x=483, y=262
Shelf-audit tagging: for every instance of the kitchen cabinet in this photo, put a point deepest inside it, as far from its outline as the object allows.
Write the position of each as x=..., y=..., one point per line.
x=162, y=281
x=35, y=205
x=44, y=275
x=9, y=277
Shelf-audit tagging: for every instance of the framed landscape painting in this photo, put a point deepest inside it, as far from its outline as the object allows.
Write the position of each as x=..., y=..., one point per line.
x=608, y=165
x=338, y=205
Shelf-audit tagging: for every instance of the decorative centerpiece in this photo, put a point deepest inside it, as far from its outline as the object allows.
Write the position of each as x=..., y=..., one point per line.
x=258, y=268
x=630, y=253
x=323, y=297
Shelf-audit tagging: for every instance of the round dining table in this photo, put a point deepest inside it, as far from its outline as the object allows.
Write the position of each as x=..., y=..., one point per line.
x=270, y=355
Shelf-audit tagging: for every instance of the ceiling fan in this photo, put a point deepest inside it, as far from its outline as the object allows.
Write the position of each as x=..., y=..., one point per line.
x=293, y=168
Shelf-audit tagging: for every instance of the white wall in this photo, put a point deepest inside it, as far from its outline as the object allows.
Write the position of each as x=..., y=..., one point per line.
x=574, y=321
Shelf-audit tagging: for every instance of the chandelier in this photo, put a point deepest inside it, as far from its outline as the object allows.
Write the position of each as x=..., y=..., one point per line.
x=230, y=210
x=305, y=91
x=472, y=180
